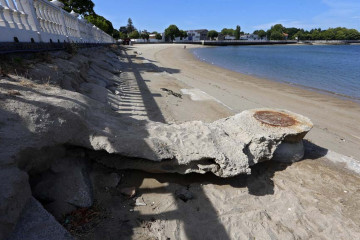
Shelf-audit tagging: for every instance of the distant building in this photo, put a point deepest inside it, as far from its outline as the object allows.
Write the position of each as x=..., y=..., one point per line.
x=222, y=37
x=252, y=37
x=197, y=35
x=229, y=37
x=152, y=38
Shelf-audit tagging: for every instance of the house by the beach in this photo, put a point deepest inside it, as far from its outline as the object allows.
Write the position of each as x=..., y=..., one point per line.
x=222, y=37
x=252, y=37
x=152, y=37
x=197, y=35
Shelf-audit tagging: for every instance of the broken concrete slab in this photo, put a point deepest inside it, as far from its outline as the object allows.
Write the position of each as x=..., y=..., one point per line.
x=226, y=147
x=37, y=224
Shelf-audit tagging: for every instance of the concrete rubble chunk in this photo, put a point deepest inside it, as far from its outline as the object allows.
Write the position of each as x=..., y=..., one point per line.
x=68, y=182
x=37, y=224
x=184, y=194
x=226, y=147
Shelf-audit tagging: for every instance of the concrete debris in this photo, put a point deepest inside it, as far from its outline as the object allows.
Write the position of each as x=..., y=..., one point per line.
x=171, y=92
x=130, y=191
x=226, y=147
x=37, y=224
x=139, y=202
x=184, y=194
x=67, y=182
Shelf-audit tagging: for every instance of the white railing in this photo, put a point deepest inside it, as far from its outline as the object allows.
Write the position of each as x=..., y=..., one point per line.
x=44, y=21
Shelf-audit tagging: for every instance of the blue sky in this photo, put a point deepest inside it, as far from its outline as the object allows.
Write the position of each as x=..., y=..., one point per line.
x=156, y=15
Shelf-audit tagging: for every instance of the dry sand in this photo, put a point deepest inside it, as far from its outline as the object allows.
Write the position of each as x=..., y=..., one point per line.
x=312, y=199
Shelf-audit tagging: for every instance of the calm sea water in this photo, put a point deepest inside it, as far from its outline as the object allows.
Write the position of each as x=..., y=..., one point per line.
x=334, y=69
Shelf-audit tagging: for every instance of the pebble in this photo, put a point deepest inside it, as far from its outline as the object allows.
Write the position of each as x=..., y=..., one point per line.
x=130, y=191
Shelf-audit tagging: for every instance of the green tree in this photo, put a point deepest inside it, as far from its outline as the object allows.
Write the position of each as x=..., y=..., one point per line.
x=158, y=36
x=340, y=35
x=123, y=29
x=212, y=34
x=101, y=23
x=145, y=35
x=83, y=7
x=237, y=32
x=291, y=32
x=328, y=34
x=299, y=35
x=228, y=31
x=134, y=35
x=278, y=28
x=116, y=34
x=122, y=35
x=276, y=32
x=276, y=35
x=352, y=34
x=260, y=33
x=315, y=35
x=172, y=32
x=268, y=33
x=183, y=34
x=130, y=26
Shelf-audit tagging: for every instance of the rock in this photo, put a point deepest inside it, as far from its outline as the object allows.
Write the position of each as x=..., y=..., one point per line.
x=103, y=179
x=112, y=180
x=68, y=182
x=37, y=224
x=14, y=195
x=184, y=194
x=59, y=209
x=139, y=202
x=130, y=191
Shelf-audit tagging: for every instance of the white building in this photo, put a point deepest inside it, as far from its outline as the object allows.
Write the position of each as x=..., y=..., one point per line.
x=229, y=37
x=252, y=37
x=152, y=38
x=197, y=35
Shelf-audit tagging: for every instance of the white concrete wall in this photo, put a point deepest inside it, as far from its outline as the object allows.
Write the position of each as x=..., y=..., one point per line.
x=44, y=21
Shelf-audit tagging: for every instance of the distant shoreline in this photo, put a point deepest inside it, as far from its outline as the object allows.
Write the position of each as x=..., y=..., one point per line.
x=271, y=42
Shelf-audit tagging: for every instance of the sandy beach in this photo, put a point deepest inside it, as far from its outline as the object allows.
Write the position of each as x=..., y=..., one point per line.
x=316, y=198
x=92, y=128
